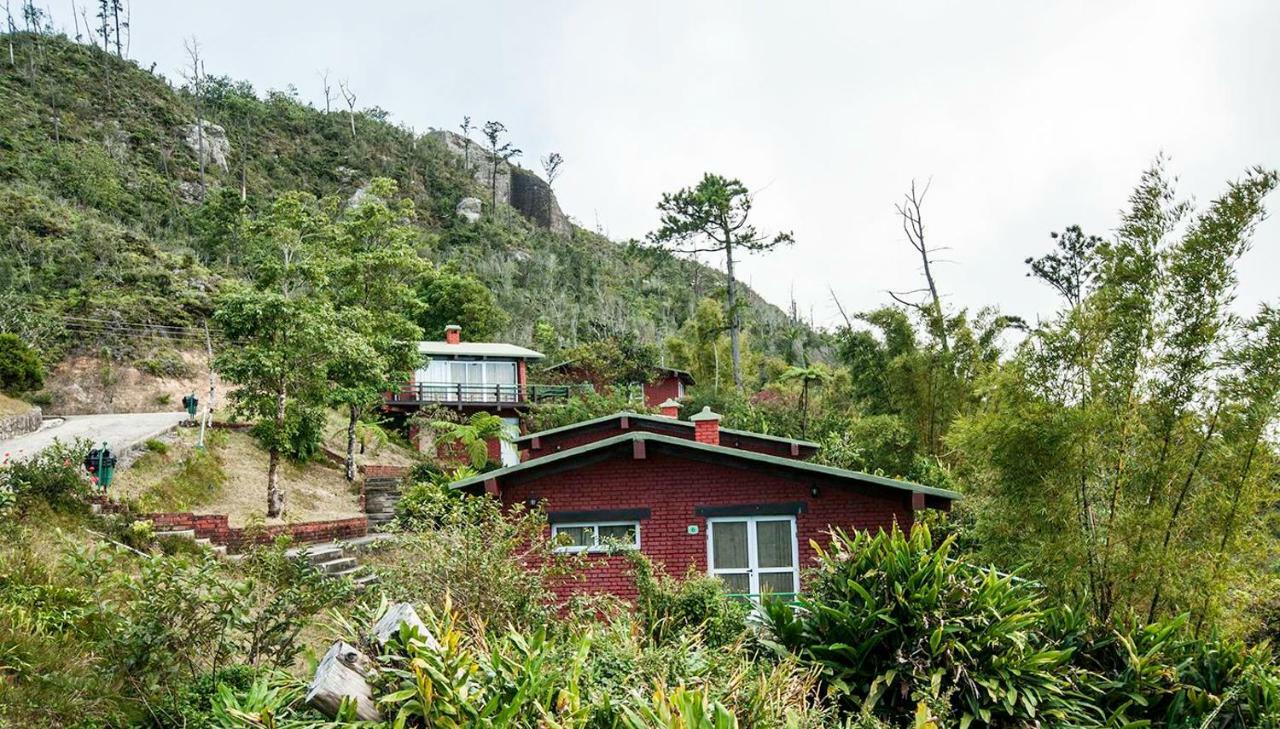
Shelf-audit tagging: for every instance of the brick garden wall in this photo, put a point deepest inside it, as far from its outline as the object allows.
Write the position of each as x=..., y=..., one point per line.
x=215, y=528
x=671, y=487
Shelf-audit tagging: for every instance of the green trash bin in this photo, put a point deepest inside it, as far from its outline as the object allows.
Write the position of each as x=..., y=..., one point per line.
x=101, y=464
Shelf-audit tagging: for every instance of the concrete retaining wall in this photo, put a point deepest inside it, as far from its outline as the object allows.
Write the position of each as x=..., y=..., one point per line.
x=12, y=426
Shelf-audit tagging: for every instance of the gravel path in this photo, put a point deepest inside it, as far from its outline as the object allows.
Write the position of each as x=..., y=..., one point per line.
x=120, y=431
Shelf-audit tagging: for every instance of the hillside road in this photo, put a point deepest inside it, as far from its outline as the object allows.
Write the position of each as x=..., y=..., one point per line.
x=121, y=431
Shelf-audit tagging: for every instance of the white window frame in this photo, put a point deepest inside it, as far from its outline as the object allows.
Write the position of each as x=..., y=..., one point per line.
x=595, y=536
x=753, y=568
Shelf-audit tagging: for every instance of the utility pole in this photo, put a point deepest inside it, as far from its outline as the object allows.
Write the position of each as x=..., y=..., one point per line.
x=207, y=418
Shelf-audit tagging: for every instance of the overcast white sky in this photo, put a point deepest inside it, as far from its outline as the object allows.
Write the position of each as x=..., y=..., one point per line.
x=1027, y=118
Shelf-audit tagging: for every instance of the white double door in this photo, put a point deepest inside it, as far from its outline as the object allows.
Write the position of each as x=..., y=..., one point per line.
x=754, y=554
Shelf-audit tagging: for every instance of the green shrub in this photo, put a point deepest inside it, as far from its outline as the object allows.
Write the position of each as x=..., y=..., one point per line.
x=290, y=593
x=43, y=612
x=668, y=607
x=156, y=446
x=195, y=703
x=55, y=476
x=892, y=622
x=431, y=503
x=495, y=566
x=1162, y=674
x=20, y=367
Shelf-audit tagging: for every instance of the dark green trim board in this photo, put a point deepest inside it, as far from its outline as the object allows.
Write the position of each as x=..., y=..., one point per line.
x=569, y=517
x=781, y=508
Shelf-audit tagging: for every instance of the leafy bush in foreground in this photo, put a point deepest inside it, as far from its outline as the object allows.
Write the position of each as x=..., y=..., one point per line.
x=892, y=622
x=55, y=476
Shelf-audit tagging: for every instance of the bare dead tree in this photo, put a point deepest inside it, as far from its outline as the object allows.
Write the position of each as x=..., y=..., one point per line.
x=195, y=76
x=349, y=96
x=551, y=166
x=88, y=27
x=75, y=18
x=33, y=18
x=12, y=29
x=848, y=323
x=328, y=90
x=910, y=211
x=466, y=128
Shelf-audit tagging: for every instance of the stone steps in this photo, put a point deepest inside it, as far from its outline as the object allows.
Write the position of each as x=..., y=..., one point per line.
x=179, y=533
x=218, y=549
x=336, y=560
x=380, y=497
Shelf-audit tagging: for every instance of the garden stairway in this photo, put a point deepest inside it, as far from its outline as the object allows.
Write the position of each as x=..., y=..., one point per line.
x=340, y=559
x=218, y=549
x=380, y=496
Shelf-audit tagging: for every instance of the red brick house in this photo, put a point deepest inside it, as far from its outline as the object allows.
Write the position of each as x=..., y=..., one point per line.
x=741, y=506
x=667, y=384
x=664, y=383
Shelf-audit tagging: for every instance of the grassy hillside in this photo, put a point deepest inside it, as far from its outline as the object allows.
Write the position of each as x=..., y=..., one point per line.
x=104, y=216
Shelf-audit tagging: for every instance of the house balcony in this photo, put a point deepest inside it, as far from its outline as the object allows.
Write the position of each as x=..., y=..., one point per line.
x=460, y=395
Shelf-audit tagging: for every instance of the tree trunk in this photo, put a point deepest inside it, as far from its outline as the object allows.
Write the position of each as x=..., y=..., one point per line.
x=115, y=11
x=1177, y=511
x=735, y=346
x=275, y=496
x=351, y=442
x=804, y=409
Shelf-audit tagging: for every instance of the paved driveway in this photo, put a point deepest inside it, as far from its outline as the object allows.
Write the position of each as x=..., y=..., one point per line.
x=121, y=432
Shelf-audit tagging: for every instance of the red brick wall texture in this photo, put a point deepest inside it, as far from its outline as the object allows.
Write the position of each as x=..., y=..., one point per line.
x=672, y=487
x=658, y=391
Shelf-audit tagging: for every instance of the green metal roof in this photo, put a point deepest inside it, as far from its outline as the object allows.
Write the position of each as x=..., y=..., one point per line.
x=735, y=453
x=656, y=419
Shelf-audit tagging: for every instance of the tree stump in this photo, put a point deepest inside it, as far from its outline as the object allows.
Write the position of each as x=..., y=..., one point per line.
x=341, y=674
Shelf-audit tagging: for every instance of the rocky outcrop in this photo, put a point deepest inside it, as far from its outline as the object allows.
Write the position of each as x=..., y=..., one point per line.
x=12, y=426
x=215, y=145
x=514, y=185
x=360, y=196
x=469, y=209
x=533, y=197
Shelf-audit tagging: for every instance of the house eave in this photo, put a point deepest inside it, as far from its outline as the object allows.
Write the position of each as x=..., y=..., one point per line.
x=596, y=450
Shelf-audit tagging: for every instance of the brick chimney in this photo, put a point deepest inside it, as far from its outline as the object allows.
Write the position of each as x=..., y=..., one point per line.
x=706, y=426
x=670, y=408
x=453, y=334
